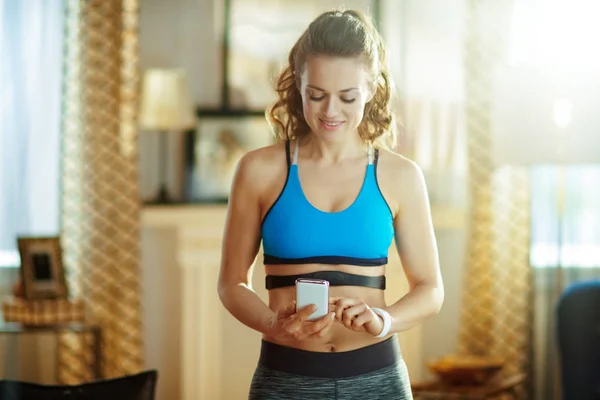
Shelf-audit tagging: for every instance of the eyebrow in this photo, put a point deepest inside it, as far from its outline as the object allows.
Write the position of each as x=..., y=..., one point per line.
x=323, y=90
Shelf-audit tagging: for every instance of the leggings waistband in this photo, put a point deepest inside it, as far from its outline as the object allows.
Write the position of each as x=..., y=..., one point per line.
x=330, y=365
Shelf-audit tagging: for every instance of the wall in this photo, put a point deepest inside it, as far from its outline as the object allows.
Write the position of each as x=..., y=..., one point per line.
x=432, y=70
x=178, y=34
x=433, y=37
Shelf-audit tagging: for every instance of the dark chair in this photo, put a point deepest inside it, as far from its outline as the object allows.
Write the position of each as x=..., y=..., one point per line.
x=140, y=386
x=578, y=324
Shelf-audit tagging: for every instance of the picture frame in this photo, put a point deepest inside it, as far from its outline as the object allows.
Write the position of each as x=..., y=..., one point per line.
x=214, y=149
x=42, y=273
x=259, y=35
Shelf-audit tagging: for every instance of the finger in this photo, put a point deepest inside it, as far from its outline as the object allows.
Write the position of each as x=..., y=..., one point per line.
x=325, y=330
x=321, y=323
x=294, y=325
x=309, y=328
x=343, y=304
x=339, y=310
x=351, y=313
x=362, y=319
x=305, y=312
x=331, y=308
x=343, y=300
x=334, y=300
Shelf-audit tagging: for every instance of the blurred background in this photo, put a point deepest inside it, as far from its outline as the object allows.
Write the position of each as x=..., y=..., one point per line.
x=121, y=122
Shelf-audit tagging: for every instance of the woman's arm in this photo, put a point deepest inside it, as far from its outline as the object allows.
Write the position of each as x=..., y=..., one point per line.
x=417, y=248
x=241, y=241
x=415, y=240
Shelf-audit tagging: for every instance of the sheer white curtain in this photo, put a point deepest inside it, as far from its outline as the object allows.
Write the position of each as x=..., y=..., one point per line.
x=567, y=236
x=30, y=113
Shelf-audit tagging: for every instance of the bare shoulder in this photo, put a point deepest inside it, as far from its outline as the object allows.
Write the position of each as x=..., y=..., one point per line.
x=400, y=179
x=398, y=168
x=263, y=160
x=263, y=167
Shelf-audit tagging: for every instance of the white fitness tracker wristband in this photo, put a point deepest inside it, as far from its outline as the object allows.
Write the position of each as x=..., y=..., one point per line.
x=387, y=321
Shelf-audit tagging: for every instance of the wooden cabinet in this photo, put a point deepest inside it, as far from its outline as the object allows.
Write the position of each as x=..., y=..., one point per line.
x=200, y=350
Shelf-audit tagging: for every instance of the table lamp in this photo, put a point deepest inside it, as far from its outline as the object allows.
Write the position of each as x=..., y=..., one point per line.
x=165, y=106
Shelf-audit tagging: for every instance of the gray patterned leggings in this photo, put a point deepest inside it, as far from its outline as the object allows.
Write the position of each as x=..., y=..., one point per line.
x=372, y=373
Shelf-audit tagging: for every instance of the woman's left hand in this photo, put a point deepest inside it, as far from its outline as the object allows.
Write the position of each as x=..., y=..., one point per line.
x=356, y=315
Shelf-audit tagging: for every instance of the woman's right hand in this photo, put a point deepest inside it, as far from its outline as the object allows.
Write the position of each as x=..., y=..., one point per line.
x=291, y=324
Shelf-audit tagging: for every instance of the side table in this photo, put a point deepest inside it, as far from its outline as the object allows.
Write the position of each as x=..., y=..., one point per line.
x=81, y=329
x=495, y=388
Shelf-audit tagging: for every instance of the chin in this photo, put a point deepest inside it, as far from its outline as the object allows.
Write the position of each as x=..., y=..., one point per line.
x=328, y=135
x=331, y=137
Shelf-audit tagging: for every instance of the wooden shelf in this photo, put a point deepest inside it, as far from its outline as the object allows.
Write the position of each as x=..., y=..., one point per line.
x=229, y=112
x=176, y=214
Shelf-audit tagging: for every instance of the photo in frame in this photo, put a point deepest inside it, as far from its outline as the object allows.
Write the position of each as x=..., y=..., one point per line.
x=42, y=273
x=214, y=150
x=261, y=34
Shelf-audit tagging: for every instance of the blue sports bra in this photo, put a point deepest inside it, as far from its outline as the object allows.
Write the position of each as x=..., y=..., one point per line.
x=295, y=232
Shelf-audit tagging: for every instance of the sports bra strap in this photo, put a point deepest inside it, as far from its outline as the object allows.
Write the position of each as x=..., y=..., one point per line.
x=295, y=160
x=370, y=154
x=287, y=153
x=376, y=158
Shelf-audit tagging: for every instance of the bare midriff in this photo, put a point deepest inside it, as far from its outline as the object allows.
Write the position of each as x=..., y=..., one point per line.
x=338, y=338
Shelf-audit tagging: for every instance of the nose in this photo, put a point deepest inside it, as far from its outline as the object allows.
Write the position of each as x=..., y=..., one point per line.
x=331, y=107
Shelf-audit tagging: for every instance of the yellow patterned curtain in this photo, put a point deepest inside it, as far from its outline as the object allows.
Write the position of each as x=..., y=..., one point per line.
x=496, y=305
x=100, y=200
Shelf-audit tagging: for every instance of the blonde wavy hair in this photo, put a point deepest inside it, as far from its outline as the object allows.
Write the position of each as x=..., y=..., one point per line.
x=340, y=33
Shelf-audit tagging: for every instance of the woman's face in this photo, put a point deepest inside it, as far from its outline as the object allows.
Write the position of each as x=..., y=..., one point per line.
x=334, y=93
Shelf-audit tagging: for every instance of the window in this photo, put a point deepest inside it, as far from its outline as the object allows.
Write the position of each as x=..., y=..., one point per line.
x=31, y=51
x=570, y=238
x=555, y=33
x=567, y=232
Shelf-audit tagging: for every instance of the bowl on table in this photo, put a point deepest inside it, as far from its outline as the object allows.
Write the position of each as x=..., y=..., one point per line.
x=465, y=369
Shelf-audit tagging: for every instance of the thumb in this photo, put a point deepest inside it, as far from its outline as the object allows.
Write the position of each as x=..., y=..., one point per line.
x=287, y=310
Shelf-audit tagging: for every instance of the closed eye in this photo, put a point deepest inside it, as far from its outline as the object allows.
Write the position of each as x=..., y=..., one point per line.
x=313, y=98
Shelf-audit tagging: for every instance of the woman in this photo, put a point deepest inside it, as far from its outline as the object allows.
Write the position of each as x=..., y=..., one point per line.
x=327, y=202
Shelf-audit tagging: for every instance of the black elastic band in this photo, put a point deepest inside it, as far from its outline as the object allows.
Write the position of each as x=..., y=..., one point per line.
x=376, y=158
x=287, y=154
x=331, y=365
x=335, y=278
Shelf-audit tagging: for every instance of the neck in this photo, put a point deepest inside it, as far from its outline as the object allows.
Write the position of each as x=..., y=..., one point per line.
x=334, y=151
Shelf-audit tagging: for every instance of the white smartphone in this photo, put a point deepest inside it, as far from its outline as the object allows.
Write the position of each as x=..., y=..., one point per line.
x=313, y=291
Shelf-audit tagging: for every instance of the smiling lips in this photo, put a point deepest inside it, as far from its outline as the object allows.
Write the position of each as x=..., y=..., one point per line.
x=330, y=125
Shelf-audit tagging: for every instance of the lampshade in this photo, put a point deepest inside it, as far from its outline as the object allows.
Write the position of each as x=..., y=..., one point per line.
x=545, y=117
x=165, y=101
